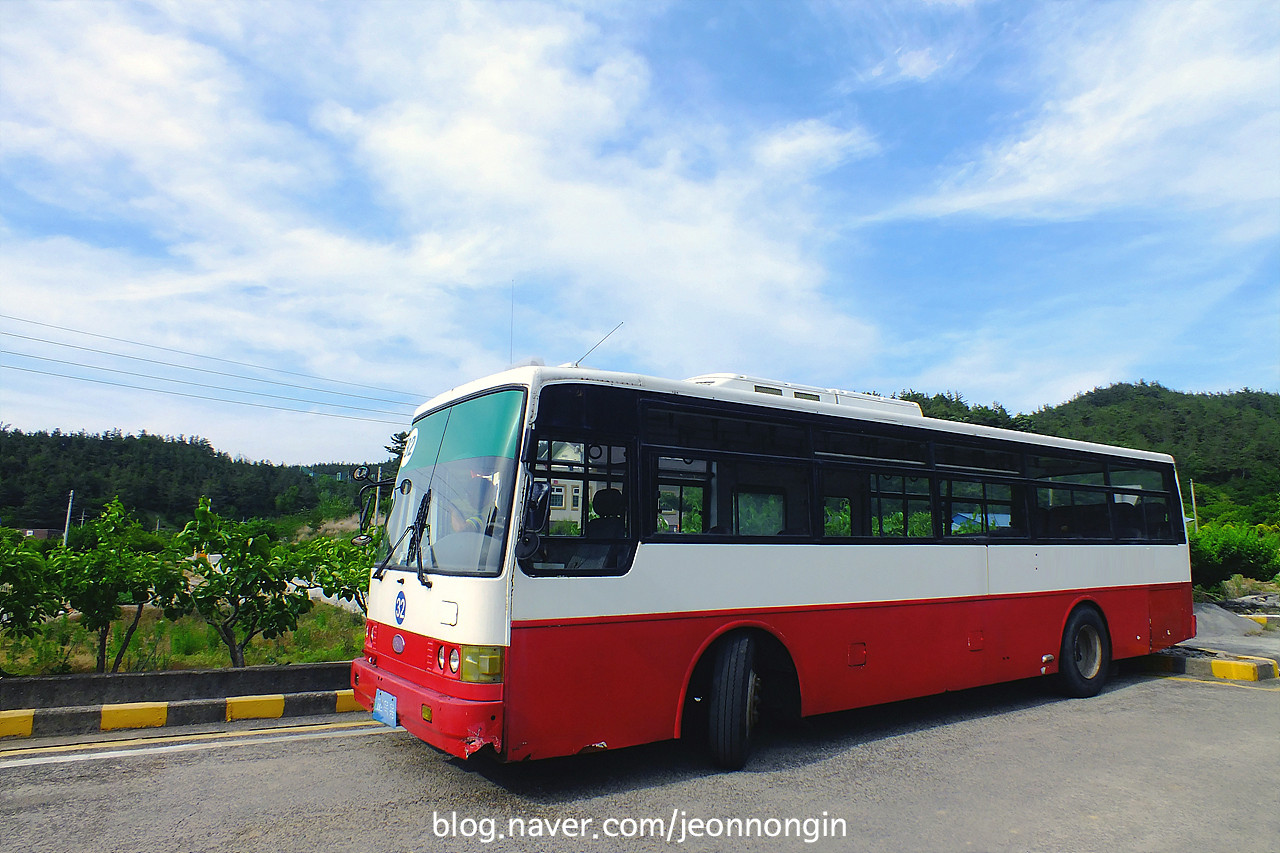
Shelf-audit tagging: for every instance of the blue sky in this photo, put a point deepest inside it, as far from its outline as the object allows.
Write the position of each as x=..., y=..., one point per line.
x=1015, y=201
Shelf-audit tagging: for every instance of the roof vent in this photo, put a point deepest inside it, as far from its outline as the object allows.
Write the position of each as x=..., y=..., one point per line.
x=806, y=393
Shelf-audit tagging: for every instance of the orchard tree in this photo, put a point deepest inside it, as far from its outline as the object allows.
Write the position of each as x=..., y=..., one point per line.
x=243, y=585
x=120, y=565
x=29, y=592
x=338, y=568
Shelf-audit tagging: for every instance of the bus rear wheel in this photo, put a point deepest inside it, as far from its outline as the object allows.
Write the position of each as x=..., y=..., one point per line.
x=1086, y=654
x=734, y=702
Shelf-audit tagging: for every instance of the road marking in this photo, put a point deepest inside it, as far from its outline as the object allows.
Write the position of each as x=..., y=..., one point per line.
x=28, y=756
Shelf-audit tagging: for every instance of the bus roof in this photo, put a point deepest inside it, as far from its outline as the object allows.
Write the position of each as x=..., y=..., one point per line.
x=733, y=387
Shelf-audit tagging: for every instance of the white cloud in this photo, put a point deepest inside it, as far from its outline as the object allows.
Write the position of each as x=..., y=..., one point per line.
x=811, y=146
x=1177, y=104
x=355, y=190
x=147, y=125
x=901, y=42
x=918, y=64
x=502, y=143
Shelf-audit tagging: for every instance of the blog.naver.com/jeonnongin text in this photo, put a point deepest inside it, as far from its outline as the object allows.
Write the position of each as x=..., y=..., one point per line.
x=679, y=828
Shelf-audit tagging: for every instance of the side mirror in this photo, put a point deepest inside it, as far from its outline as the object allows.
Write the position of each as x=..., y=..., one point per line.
x=367, y=500
x=538, y=508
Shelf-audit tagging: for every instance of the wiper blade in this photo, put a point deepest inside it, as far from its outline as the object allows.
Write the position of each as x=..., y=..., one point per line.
x=415, y=532
x=421, y=529
x=382, y=567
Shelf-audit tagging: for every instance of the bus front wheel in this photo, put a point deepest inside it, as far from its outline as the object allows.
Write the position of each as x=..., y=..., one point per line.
x=734, y=702
x=1086, y=654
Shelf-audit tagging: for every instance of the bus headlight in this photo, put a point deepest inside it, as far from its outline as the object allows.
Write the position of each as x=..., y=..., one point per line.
x=482, y=664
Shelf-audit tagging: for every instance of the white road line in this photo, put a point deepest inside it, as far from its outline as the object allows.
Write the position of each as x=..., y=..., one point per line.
x=69, y=758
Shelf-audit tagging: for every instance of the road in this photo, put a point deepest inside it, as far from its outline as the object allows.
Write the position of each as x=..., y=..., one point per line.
x=1153, y=764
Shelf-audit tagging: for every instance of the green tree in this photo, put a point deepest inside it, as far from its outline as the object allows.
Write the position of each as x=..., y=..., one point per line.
x=951, y=406
x=399, y=441
x=244, y=586
x=120, y=565
x=29, y=592
x=338, y=568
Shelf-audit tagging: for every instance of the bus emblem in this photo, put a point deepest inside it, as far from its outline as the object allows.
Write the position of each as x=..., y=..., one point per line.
x=402, y=607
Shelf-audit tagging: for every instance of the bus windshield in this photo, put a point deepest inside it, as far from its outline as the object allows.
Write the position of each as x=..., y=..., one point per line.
x=454, y=490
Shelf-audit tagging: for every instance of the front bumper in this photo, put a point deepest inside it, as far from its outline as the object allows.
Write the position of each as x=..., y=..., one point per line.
x=460, y=727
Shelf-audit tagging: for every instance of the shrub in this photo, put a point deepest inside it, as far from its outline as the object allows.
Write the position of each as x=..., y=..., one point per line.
x=1222, y=550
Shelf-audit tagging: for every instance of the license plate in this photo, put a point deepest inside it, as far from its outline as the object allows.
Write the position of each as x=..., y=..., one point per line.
x=384, y=708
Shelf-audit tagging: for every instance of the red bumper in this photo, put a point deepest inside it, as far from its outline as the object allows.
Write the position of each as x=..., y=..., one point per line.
x=460, y=727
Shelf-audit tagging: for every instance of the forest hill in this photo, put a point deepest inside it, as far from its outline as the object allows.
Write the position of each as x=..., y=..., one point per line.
x=160, y=479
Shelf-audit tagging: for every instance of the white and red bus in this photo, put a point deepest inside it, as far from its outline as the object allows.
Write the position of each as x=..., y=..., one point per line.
x=580, y=560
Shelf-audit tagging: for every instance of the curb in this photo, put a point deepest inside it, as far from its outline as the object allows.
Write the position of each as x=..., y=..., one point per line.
x=87, y=719
x=1214, y=664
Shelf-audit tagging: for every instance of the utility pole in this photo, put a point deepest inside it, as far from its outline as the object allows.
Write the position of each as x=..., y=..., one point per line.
x=377, y=493
x=66, y=527
x=1195, y=516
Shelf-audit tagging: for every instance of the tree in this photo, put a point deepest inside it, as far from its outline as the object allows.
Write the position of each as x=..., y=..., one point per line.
x=244, y=585
x=338, y=568
x=120, y=565
x=29, y=593
x=951, y=406
x=398, y=443
x=154, y=476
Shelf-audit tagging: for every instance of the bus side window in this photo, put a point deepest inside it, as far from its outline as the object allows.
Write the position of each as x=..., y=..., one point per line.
x=588, y=524
x=900, y=506
x=683, y=488
x=846, y=502
x=837, y=516
x=1141, y=510
x=971, y=508
x=759, y=512
x=1066, y=513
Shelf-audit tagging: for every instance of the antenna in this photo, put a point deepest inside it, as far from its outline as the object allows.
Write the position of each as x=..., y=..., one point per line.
x=598, y=343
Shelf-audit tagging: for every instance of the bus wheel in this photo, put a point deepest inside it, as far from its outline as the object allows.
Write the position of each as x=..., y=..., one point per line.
x=734, y=702
x=1086, y=654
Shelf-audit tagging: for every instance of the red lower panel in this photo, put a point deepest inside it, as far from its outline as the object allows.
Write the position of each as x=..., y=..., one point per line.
x=458, y=726
x=584, y=684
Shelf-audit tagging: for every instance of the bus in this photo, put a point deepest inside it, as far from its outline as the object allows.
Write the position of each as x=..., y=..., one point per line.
x=580, y=560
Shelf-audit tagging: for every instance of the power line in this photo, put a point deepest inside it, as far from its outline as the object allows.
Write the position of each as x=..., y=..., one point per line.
x=200, y=396
x=197, y=384
x=211, y=357
x=204, y=370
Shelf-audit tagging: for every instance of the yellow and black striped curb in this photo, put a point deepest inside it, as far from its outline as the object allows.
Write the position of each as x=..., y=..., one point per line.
x=86, y=719
x=1214, y=664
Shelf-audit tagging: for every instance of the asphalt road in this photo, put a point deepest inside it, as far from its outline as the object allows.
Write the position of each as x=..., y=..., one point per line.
x=1153, y=764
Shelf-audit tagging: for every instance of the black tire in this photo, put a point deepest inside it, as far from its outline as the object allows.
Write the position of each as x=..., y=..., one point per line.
x=734, y=706
x=1085, y=659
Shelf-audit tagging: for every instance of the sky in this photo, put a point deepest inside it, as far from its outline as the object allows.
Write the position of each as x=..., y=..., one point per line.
x=306, y=206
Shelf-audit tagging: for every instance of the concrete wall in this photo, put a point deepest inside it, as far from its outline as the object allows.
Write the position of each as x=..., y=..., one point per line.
x=54, y=691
